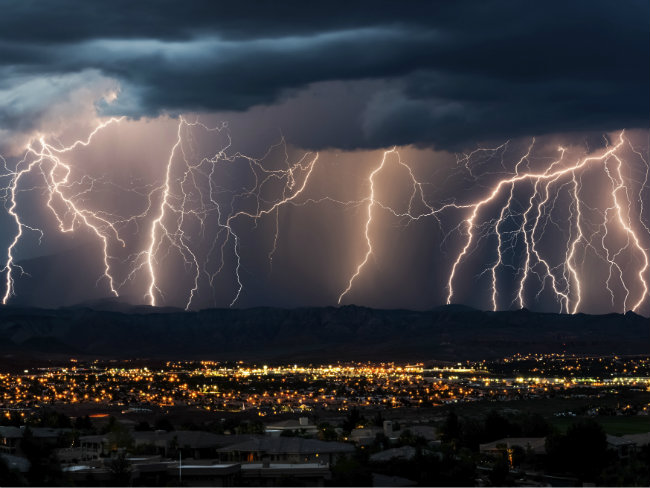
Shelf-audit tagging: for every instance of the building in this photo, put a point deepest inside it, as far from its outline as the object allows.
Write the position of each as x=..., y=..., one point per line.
x=192, y=474
x=302, y=425
x=189, y=443
x=10, y=436
x=285, y=450
x=639, y=440
x=364, y=436
x=93, y=446
x=427, y=432
x=504, y=446
x=404, y=453
x=623, y=447
x=391, y=481
x=157, y=472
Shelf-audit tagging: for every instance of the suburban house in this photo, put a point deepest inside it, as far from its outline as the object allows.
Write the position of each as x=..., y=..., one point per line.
x=11, y=436
x=535, y=444
x=285, y=450
x=302, y=425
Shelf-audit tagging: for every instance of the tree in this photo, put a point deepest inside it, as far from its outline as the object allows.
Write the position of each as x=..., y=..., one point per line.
x=119, y=437
x=83, y=423
x=534, y=425
x=381, y=442
x=378, y=420
x=350, y=472
x=142, y=426
x=407, y=438
x=251, y=427
x=120, y=469
x=500, y=474
x=472, y=433
x=352, y=420
x=163, y=423
x=450, y=430
x=582, y=451
x=588, y=444
x=44, y=469
x=326, y=432
x=497, y=427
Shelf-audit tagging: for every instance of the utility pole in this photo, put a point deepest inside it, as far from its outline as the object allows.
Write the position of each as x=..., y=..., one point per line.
x=180, y=468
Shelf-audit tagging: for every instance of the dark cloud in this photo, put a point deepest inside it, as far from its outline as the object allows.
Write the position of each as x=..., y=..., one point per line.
x=437, y=73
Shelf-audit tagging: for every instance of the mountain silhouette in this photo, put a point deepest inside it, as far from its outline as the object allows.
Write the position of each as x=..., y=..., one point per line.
x=313, y=334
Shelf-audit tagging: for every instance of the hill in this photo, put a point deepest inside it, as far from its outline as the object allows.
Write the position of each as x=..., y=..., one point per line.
x=314, y=334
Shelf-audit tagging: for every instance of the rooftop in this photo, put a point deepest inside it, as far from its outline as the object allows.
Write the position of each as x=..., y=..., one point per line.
x=289, y=445
x=537, y=444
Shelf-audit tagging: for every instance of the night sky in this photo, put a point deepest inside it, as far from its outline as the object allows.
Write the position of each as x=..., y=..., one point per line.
x=246, y=169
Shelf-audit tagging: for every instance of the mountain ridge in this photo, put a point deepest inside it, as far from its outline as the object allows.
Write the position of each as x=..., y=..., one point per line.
x=314, y=333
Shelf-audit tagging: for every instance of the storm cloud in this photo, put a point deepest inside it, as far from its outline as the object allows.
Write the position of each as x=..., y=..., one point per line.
x=442, y=74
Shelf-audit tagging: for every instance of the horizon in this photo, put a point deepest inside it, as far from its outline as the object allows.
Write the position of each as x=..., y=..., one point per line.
x=96, y=305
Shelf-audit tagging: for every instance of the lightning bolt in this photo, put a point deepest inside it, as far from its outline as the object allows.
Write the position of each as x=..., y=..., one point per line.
x=369, y=208
x=172, y=206
x=55, y=172
x=162, y=233
x=546, y=185
x=571, y=296
x=192, y=214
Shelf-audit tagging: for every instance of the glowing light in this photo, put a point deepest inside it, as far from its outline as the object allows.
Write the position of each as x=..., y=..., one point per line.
x=566, y=284
x=371, y=204
x=56, y=179
x=189, y=201
x=176, y=237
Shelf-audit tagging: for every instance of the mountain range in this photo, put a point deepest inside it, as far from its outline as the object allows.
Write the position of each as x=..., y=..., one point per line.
x=111, y=329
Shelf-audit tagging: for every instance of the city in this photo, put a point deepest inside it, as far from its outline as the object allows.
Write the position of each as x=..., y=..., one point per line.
x=267, y=390
x=119, y=421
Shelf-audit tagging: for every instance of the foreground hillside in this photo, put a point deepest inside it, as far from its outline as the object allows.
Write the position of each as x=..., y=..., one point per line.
x=318, y=334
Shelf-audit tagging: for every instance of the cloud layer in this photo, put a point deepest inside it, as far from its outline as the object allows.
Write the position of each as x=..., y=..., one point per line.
x=444, y=74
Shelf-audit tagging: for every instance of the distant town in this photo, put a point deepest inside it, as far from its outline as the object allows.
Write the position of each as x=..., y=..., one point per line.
x=267, y=390
x=535, y=420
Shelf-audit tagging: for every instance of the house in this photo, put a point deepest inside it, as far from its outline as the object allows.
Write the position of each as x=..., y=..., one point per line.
x=153, y=471
x=392, y=481
x=623, y=447
x=75, y=454
x=302, y=425
x=404, y=452
x=535, y=444
x=202, y=445
x=425, y=431
x=93, y=446
x=192, y=474
x=364, y=436
x=285, y=450
x=639, y=440
x=189, y=443
x=10, y=436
